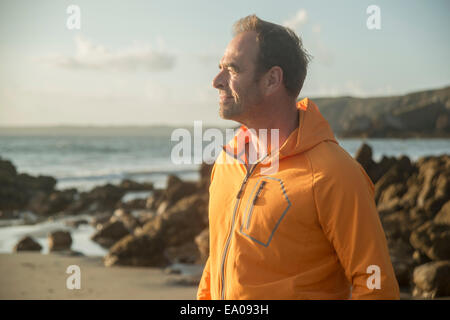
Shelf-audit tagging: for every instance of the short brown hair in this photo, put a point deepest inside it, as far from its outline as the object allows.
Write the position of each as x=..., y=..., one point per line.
x=278, y=46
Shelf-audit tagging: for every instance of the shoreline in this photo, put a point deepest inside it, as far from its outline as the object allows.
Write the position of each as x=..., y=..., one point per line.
x=31, y=275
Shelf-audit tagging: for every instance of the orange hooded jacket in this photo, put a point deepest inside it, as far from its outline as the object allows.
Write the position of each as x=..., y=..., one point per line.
x=310, y=230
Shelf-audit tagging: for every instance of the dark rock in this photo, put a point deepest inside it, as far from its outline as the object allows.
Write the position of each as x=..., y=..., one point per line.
x=401, y=258
x=59, y=240
x=141, y=250
x=175, y=227
x=100, y=219
x=128, y=220
x=155, y=199
x=443, y=216
x=27, y=244
x=130, y=185
x=432, y=280
x=102, y=198
x=433, y=240
x=109, y=233
x=178, y=189
x=397, y=174
x=49, y=204
x=76, y=223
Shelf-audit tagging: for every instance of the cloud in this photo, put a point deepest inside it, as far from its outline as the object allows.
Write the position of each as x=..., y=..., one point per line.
x=300, y=18
x=94, y=56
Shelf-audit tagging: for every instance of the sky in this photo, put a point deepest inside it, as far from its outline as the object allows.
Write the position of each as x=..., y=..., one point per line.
x=152, y=62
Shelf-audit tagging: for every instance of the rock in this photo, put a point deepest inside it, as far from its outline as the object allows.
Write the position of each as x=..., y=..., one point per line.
x=397, y=225
x=18, y=189
x=141, y=250
x=401, y=258
x=59, y=240
x=27, y=244
x=364, y=157
x=174, y=228
x=76, y=223
x=109, y=233
x=8, y=214
x=134, y=204
x=443, y=216
x=420, y=258
x=397, y=174
x=432, y=280
x=433, y=240
x=102, y=198
x=128, y=220
x=202, y=241
x=178, y=189
x=155, y=199
x=130, y=185
x=434, y=176
x=100, y=219
x=49, y=204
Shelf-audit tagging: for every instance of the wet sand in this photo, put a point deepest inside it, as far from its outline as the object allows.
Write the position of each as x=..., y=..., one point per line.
x=43, y=276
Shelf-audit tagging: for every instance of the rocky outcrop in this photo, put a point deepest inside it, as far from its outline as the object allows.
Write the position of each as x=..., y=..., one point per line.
x=27, y=243
x=59, y=240
x=109, y=233
x=18, y=189
x=432, y=280
x=413, y=200
x=156, y=243
x=418, y=114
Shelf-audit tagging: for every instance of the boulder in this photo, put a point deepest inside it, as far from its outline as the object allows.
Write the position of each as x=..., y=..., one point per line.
x=141, y=250
x=109, y=233
x=178, y=189
x=103, y=198
x=432, y=280
x=443, y=216
x=27, y=244
x=130, y=185
x=52, y=203
x=397, y=174
x=175, y=227
x=364, y=157
x=433, y=240
x=128, y=220
x=59, y=240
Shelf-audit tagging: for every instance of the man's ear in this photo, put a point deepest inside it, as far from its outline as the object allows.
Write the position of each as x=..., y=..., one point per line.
x=273, y=79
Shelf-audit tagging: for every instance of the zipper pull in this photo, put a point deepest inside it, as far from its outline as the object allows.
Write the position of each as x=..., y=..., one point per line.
x=261, y=186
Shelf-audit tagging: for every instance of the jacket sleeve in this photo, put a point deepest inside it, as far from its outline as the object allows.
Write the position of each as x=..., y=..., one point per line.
x=349, y=218
x=203, y=292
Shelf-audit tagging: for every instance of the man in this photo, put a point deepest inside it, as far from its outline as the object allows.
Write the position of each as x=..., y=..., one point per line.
x=310, y=228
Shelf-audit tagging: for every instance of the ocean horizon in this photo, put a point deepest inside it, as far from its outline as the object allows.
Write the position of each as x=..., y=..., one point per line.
x=85, y=157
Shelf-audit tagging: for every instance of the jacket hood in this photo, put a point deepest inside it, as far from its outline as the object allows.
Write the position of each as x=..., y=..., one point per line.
x=312, y=130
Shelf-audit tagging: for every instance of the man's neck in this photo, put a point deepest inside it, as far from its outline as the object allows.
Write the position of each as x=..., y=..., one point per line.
x=285, y=120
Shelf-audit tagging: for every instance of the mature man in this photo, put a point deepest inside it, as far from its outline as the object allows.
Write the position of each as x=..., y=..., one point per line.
x=308, y=229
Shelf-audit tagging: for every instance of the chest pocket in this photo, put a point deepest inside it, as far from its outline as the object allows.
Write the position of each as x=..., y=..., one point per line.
x=265, y=209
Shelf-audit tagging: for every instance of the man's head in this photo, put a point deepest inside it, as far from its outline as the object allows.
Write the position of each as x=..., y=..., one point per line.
x=262, y=62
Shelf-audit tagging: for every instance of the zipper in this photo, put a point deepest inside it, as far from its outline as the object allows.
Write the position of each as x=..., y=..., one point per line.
x=261, y=186
x=227, y=243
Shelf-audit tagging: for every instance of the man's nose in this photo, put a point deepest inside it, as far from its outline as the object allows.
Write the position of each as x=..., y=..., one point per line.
x=219, y=81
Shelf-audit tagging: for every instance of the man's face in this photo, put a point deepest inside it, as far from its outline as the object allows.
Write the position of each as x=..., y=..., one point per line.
x=238, y=89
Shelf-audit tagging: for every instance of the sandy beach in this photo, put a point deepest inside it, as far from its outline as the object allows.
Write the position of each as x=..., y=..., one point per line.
x=43, y=276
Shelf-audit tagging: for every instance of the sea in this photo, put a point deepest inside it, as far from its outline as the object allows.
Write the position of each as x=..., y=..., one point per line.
x=83, y=158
